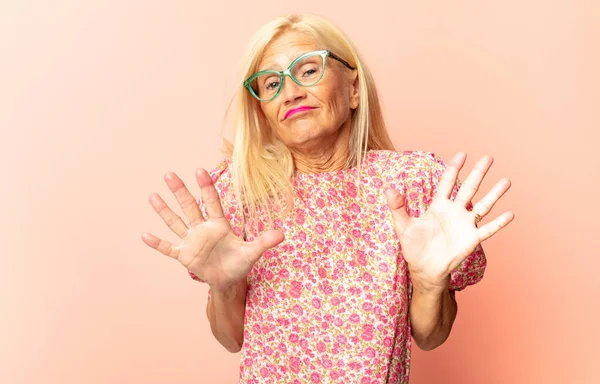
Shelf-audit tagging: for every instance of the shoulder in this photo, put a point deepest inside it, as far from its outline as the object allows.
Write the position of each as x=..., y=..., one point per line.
x=221, y=170
x=221, y=175
x=418, y=163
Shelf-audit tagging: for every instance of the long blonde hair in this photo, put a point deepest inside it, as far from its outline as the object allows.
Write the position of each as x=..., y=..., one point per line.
x=261, y=165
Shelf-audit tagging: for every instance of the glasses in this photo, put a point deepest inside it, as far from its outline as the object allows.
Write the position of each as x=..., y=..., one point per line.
x=306, y=70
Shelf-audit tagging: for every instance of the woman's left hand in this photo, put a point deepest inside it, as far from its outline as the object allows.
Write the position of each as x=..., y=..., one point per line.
x=439, y=240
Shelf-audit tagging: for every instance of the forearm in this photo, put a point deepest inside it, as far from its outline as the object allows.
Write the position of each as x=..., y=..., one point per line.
x=225, y=311
x=432, y=315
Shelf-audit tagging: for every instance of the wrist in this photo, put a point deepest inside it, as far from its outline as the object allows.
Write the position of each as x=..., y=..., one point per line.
x=430, y=287
x=229, y=290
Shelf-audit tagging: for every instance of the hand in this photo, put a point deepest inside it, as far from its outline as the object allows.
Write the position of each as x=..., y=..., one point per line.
x=439, y=240
x=208, y=248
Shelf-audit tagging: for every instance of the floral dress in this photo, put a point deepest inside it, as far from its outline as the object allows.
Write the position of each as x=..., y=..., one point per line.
x=330, y=303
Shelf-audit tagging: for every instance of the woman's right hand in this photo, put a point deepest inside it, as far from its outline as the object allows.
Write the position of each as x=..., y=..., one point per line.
x=208, y=248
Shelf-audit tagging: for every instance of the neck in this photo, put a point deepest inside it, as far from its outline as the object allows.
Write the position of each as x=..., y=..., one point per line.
x=330, y=155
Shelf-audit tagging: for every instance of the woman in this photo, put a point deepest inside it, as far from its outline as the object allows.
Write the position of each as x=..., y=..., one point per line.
x=324, y=248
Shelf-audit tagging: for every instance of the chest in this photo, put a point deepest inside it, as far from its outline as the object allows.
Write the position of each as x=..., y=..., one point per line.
x=340, y=252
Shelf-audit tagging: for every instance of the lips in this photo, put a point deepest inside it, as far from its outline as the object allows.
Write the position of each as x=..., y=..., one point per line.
x=296, y=110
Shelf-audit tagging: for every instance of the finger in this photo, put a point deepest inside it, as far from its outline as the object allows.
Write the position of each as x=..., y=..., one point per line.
x=488, y=230
x=397, y=205
x=162, y=246
x=210, y=196
x=169, y=217
x=186, y=201
x=471, y=184
x=485, y=205
x=448, y=179
x=255, y=249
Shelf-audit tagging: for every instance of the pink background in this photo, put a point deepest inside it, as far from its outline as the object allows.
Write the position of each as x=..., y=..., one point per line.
x=99, y=98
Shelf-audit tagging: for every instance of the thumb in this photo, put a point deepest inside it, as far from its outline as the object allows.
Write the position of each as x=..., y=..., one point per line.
x=265, y=241
x=397, y=205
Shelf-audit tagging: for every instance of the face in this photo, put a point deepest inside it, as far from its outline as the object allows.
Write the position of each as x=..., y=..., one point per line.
x=330, y=101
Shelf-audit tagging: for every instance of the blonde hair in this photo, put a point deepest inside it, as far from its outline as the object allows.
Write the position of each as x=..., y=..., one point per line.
x=261, y=165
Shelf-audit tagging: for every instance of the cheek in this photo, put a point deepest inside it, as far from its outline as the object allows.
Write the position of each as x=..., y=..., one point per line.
x=269, y=112
x=338, y=103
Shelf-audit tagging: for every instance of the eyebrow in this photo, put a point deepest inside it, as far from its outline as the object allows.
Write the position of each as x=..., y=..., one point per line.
x=270, y=66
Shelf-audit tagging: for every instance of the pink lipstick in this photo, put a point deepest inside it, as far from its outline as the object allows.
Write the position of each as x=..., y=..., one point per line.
x=296, y=110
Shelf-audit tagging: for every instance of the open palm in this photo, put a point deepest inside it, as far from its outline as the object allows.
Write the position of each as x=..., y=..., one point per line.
x=208, y=247
x=438, y=241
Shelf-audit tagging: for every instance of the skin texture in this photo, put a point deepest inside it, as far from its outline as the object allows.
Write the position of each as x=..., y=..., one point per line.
x=319, y=138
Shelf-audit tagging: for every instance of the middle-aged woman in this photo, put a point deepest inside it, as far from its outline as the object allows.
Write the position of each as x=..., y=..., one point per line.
x=324, y=248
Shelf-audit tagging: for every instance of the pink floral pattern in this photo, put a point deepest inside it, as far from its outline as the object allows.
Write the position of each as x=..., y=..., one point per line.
x=330, y=303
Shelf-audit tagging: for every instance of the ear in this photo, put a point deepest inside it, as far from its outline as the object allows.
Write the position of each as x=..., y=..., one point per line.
x=354, y=90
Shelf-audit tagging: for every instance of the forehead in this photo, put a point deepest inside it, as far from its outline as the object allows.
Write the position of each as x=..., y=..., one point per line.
x=281, y=51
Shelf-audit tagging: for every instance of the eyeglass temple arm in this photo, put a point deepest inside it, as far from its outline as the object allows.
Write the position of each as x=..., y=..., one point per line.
x=336, y=57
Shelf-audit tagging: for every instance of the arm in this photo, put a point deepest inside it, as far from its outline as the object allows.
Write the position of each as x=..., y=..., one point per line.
x=441, y=241
x=225, y=311
x=432, y=315
x=211, y=249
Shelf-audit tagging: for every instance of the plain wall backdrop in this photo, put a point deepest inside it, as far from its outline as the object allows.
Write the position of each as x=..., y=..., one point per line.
x=98, y=99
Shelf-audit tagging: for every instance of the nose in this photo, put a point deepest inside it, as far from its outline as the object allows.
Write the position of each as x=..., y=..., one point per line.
x=291, y=92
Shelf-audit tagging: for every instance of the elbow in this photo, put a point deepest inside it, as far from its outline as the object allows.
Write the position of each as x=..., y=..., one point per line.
x=234, y=349
x=234, y=346
x=428, y=345
x=232, y=343
x=429, y=342
x=424, y=346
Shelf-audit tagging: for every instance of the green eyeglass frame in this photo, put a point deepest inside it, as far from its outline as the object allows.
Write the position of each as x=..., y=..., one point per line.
x=282, y=74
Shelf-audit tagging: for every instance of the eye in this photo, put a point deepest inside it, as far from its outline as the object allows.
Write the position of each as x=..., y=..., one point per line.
x=272, y=85
x=269, y=83
x=309, y=72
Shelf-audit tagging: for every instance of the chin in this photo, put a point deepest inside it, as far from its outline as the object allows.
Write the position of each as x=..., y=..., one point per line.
x=307, y=131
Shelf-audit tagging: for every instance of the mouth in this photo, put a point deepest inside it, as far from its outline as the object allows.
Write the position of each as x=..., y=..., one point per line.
x=297, y=110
